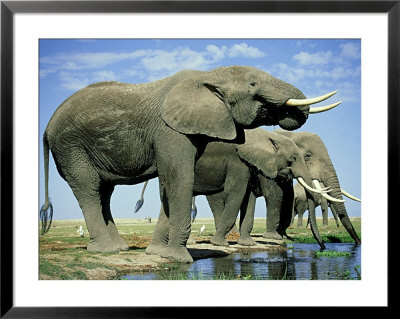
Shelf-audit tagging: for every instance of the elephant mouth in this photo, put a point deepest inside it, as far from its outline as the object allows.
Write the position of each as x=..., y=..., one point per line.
x=285, y=175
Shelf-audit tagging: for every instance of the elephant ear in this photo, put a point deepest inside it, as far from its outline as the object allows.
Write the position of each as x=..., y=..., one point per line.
x=193, y=107
x=259, y=150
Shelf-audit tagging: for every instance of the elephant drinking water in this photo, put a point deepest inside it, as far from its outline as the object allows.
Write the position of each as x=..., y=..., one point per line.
x=112, y=133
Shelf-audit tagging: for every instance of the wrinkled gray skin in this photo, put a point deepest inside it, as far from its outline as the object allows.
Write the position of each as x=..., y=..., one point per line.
x=233, y=175
x=301, y=205
x=320, y=167
x=112, y=133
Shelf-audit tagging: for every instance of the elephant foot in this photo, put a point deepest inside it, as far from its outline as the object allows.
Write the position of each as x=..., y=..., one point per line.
x=191, y=241
x=179, y=254
x=246, y=241
x=103, y=244
x=300, y=226
x=219, y=241
x=116, y=238
x=272, y=235
x=286, y=236
x=156, y=249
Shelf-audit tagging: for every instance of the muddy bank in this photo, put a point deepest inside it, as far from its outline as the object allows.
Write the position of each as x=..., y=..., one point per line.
x=74, y=262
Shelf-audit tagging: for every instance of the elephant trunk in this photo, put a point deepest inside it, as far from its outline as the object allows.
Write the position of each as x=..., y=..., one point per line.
x=294, y=119
x=287, y=117
x=311, y=199
x=333, y=182
x=313, y=222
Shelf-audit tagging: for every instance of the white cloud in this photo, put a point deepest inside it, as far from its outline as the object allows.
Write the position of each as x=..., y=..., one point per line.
x=340, y=72
x=295, y=74
x=244, y=50
x=218, y=53
x=149, y=64
x=351, y=50
x=81, y=61
x=318, y=58
x=104, y=76
x=73, y=82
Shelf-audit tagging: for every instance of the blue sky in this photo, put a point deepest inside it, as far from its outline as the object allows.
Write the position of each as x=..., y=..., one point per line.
x=315, y=66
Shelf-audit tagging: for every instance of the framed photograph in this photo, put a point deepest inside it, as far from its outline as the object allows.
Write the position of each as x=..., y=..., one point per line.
x=52, y=49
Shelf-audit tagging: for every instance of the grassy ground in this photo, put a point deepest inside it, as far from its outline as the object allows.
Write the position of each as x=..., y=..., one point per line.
x=63, y=253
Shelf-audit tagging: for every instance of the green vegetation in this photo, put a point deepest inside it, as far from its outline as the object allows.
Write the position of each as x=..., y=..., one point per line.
x=329, y=234
x=332, y=254
x=346, y=274
x=181, y=275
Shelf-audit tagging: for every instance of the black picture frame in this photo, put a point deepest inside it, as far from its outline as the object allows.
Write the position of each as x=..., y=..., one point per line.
x=9, y=8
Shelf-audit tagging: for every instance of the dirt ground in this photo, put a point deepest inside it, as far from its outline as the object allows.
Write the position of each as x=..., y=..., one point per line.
x=63, y=254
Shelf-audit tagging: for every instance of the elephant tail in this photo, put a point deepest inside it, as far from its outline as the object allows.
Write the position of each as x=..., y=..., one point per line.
x=46, y=212
x=140, y=202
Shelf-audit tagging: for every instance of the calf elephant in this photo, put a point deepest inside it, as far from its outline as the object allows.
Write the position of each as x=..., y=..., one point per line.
x=233, y=175
x=301, y=205
x=112, y=133
x=321, y=169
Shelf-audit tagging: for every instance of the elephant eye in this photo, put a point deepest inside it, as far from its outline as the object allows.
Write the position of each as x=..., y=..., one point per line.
x=307, y=157
x=253, y=83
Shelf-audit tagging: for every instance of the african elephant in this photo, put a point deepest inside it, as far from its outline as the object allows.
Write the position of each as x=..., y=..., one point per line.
x=232, y=176
x=322, y=171
x=301, y=205
x=112, y=133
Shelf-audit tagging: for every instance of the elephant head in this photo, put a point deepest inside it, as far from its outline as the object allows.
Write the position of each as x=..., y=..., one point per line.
x=321, y=169
x=216, y=102
x=277, y=157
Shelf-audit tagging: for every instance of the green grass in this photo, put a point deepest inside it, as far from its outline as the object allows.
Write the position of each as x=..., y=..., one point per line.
x=332, y=254
x=346, y=274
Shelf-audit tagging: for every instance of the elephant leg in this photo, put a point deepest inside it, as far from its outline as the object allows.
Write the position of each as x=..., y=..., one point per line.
x=286, y=207
x=234, y=191
x=272, y=221
x=334, y=214
x=85, y=184
x=179, y=220
x=273, y=198
x=105, y=196
x=300, y=219
x=176, y=176
x=247, y=220
x=324, y=208
x=217, y=204
x=159, y=242
x=293, y=216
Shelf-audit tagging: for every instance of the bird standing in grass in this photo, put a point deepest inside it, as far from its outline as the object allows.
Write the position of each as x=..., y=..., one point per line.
x=80, y=231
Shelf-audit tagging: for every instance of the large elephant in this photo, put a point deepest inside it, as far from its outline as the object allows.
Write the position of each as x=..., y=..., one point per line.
x=322, y=171
x=300, y=205
x=112, y=133
x=233, y=175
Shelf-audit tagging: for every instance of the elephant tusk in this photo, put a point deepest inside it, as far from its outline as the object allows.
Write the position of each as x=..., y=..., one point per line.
x=304, y=184
x=328, y=197
x=302, y=102
x=318, y=186
x=323, y=108
x=350, y=196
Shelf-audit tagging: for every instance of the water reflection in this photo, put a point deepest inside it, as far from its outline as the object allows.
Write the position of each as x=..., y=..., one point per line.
x=297, y=263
